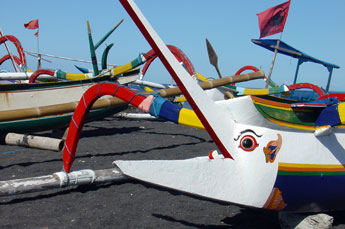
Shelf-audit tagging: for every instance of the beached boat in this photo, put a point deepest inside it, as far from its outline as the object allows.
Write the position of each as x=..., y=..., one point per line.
x=262, y=164
x=41, y=106
x=49, y=104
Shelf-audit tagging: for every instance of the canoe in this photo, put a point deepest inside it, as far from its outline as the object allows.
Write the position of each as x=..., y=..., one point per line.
x=34, y=107
x=261, y=164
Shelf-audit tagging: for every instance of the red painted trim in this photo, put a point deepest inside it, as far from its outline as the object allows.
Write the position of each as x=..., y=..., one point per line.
x=7, y=57
x=82, y=110
x=172, y=72
x=39, y=72
x=244, y=68
x=19, y=47
x=315, y=88
x=178, y=53
x=210, y=155
x=340, y=96
x=248, y=67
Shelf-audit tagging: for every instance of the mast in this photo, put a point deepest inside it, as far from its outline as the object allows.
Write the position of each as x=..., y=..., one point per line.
x=273, y=60
x=38, y=50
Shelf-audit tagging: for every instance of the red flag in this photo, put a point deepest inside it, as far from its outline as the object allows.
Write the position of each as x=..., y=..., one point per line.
x=272, y=20
x=32, y=24
x=36, y=34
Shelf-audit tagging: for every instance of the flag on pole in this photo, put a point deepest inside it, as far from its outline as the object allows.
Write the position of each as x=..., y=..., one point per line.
x=272, y=20
x=36, y=34
x=31, y=24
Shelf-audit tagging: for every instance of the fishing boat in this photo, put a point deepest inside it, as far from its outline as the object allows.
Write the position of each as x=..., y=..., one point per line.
x=308, y=91
x=27, y=108
x=302, y=57
x=261, y=164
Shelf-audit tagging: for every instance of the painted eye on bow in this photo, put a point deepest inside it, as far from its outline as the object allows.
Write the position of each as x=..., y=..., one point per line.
x=248, y=143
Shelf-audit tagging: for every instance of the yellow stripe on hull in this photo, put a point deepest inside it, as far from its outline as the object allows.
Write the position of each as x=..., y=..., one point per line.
x=201, y=77
x=189, y=118
x=121, y=69
x=249, y=91
x=76, y=76
x=310, y=167
x=341, y=111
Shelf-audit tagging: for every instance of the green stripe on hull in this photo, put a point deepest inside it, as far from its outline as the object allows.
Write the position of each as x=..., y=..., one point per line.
x=290, y=116
x=274, y=90
x=61, y=74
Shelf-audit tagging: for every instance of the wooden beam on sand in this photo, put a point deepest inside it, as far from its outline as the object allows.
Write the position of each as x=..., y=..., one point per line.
x=60, y=180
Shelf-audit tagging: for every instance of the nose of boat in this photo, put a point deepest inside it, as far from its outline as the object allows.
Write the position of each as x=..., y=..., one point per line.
x=219, y=178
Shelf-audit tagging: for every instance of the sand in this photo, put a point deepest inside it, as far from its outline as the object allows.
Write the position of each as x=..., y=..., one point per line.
x=129, y=204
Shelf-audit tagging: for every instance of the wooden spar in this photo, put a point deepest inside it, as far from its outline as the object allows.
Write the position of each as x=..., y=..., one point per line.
x=149, y=84
x=35, y=112
x=38, y=50
x=36, y=56
x=212, y=55
x=32, y=141
x=18, y=114
x=134, y=115
x=60, y=180
x=63, y=58
x=215, y=83
x=108, y=34
x=92, y=51
x=273, y=60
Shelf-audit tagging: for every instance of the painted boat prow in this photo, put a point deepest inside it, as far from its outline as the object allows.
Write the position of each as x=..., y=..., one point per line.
x=275, y=166
x=208, y=112
x=201, y=176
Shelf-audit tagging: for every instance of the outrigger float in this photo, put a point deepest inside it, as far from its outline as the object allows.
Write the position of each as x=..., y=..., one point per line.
x=261, y=163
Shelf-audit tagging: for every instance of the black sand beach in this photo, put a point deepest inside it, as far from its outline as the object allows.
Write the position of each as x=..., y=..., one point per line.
x=121, y=204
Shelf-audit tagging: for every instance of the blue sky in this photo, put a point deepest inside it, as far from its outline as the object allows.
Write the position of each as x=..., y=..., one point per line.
x=316, y=27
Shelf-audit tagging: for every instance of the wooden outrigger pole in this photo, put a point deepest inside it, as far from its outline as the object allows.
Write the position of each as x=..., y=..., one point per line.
x=60, y=180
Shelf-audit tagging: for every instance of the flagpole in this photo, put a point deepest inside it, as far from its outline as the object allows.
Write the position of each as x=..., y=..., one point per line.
x=38, y=50
x=273, y=60
x=9, y=53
